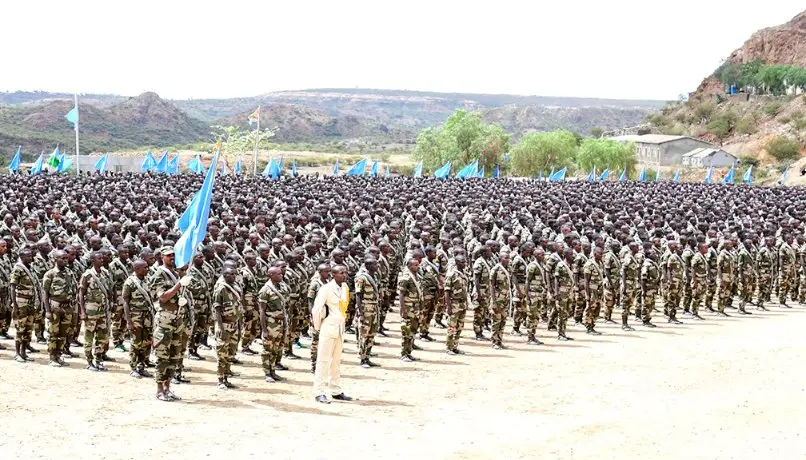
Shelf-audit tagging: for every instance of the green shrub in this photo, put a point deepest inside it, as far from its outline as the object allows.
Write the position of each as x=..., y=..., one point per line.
x=783, y=149
x=772, y=108
x=749, y=160
x=784, y=120
x=719, y=127
x=747, y=125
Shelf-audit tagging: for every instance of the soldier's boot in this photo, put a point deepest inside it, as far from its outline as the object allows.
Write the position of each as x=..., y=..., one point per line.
x=480, y=337
x=625, y=326
x=533, y=340
x=590, y=330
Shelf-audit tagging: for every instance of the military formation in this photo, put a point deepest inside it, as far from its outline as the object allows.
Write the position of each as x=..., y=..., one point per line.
x=87, y=263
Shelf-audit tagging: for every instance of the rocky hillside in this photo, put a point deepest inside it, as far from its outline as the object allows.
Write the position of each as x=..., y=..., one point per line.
x=520, y=119
x=745, y=123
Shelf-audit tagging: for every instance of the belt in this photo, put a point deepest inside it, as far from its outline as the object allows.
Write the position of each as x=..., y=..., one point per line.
x=23, y=296
x=60, y=302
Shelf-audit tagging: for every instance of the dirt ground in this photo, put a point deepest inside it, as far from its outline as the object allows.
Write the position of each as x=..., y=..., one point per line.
x=723, y=388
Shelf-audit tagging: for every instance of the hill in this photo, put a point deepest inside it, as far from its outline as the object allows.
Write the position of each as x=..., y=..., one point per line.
x=145, y=120
x=769, y=72
x=520, y=119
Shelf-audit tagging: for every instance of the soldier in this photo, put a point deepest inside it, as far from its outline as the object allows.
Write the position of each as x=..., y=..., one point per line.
x=611, y=267
x=271, y=304
x=724, y=280
x=710, y=287
x=58, y=290
x=293, y=279
x=93, y=302
x=594, y=289
x=481, y=291
x=747, y=277
x=6, y=267
x=321, y=278
x=501, y=297
x=563, y=291
x=199, y=289
x=802, y=264
x=787, y=270
x=536, y=291
x=517, y=270
x=765, y=262
x=456, y=295
x=688, y=253
x=650, y=283
x=226, y=302
x=138, y=311
x=630, y=272
x=430, y=285
x=410, y=296
x=251, y=317
x=41, y=264
x=166, y=286
x=366, y=304
x=577, y=268
x=675, y=275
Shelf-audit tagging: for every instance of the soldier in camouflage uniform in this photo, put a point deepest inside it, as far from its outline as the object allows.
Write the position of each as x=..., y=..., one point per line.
x=226, y=302
x=802, y=269
x=501, y=297
x=138, y=311
x=688, y=253
x=593, y=280
x=765, y=261
x=709, y=289
x=611, y=267
x=321, y=278
x=94, y=303
x=366, y=304
x=747, y=277
x=724, y=279
x=41, y=264
x=271, y=304
x=430, y=285
x=76, y=270
x=457, y=286
x=25, y=291
x=251, y=289
x=199, y=288
x=410, y=297
x=517, y=272
x=442, y=263
x=564, y=291
x=536, y=291
x=5, y=305
x=577, y=269
x=58, y=290
x=119, y=269
x=650, y=283
x=787, y=270
x=630, y=273
x=294, y=281
x=165, y=289
x=481, y=291
x=384, y=275
x=675, y=274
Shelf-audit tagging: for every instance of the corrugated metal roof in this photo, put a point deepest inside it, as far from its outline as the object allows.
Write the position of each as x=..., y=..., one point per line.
x=648, y=138
x=704, y=153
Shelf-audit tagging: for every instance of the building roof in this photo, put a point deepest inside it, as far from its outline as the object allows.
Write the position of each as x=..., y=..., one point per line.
x=650, y=138
x=704, y=153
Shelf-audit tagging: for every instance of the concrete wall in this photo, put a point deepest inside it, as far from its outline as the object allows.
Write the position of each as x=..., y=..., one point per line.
x=116, y=163
x=671, y=153
x=719, y=159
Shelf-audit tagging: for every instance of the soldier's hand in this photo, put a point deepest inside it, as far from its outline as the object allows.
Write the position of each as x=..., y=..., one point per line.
x=82, y=316
x=49, y=316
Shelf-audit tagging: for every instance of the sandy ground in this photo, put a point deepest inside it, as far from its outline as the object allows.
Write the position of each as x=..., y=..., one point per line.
x=726, y=388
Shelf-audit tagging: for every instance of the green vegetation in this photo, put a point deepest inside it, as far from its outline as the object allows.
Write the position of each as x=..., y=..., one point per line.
x=772, y=108
x=763, y=78
x=783, y=149
x=539, y=152
x=747, y=125
x=606, y=153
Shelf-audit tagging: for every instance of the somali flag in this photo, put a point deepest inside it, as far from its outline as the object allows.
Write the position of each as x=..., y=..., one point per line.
x=748, y=175
x=358, y=169
x=605, y=174
x=728, y=179
x=336, y=168
x=710, y=175
x=418, y=170
x=623, y=177
x=102, y=164
x=38, y=166
x=676, y=177
x=444, y=171
x=373, y=171
x=14, y=166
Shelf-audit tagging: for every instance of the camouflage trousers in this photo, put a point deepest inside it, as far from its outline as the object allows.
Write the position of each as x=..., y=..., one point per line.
x=698, y=296
x=724, y=291
x=786, y=281
x=427, y=313
x=5, y=311
x=225, y=334
x=184, y=337
x=409, y=325
x=350, y=308
x=96, y=336
x=142, y=332
x=611, y=298
x=802, y=286
x=166, y=346
x=647, y=304
x=74, y=328
x=61, y=319
x=480, y=307
x=439, y=311
x=687, y=296
x=745, y=289
x=273, y=342
x=456, y=322
x=709, y=293
x=535, y=309
x=39, y=324
x=593, y=308
x=293, y=322
x=764, y=288
x=519, y=314
x=24, y=321
x=314, y=346
x=368, y=327
x=199, y=330
x=564, y=301
x=251, y=325
x=579, y=303
x=671, y=301
x=498, y=316
x=628, y=300
x=118, y=321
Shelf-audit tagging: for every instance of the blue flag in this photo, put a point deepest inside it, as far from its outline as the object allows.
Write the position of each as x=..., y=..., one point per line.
x=444, y=171
x=480, y=173
x=418, y=170
x=710, y=175
x=336, y=168
x=293, y=168
x=162, y=164
x=373, y=172
x=195, y=165
x=272, y=169
x=676, y=177
x=388, y=172
x=358, y=169
x=102, y=164
x=72, y=116
x=605, y=174
x=39, y=165
x=64, y=164
x=173, y=165
x=642, y=175
x=149, y=163
x=748, y=175
x=657, y=175
x=623, y=177
x=496, y=172
x=782, y=181
x=558, y=176
x=728, y=179
x=14, y=166
x=592, y=175
x=238, y=166
x=195, y=224
x=468, y=171
x=551, y=174
x=540, y=176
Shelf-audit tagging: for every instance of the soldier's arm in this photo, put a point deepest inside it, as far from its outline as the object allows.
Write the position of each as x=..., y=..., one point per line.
x=261, y=306
x=359, y=297
x=47, y=283
x=587, y=285
x=401, y=293
x=126, y=296
x=447, y=295
x=82, y=292
x=530, y=274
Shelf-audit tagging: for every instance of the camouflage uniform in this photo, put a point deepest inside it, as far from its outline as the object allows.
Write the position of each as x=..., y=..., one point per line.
x=59, y=285
x=502, y=284
x=687, y=297
x=747, y=277
x=96, y=309
x=629, y=285
x=313, y=288
x=517, y=271
x=442, y=258
x=429, y=283
x=593, y=270
x=5, y=305
x=676, y=275
x=199, y=290
x=293, y=280
x=251, y=315
x=650, y=277
x=536, y=299
x=352, y=269
x=765, y=261
x=408, y=288
x=274, y=300
x=367, y=286
x=40, y=266
x=802, y=282
x=724, y=280
x=141, y=311
x=709, y=289
x=456, y=285
x=612, y=266
x=226, y=302
x=565, y=291
x=481, y=297
x=577, y=269
x=167, y=325
x=120, y=272
x=787, y=271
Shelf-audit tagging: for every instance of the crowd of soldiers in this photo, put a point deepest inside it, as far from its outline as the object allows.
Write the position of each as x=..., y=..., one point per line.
x=96, y=253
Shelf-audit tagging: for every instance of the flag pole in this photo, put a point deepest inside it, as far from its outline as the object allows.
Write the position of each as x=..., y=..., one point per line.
x=78, y=165
x=257, y=141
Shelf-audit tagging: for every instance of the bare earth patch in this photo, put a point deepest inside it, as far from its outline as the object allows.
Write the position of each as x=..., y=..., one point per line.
x=723, y=388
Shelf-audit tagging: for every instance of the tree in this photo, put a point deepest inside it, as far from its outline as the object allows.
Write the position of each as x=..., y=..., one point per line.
x=783, y=149
x=463, y=139
x=596, y=132
x=606, y=153
x=542, y=151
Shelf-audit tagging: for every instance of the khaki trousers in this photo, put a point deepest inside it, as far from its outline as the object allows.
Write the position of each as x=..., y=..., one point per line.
x=328, y=359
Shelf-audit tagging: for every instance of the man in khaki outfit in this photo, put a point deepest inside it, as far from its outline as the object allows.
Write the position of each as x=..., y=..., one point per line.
x=329, y=315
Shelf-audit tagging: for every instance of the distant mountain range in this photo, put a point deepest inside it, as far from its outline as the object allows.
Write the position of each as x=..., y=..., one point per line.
x=110, y=122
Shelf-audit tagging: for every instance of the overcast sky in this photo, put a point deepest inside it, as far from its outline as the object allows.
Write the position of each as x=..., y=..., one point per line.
x=202, y=49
